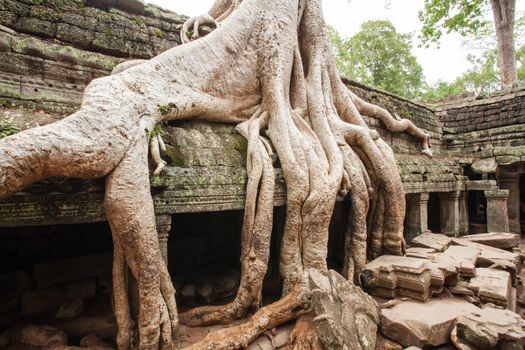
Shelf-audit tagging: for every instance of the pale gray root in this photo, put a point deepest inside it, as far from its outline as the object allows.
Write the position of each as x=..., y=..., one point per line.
x=355, y=236
x=7, y=30
x=286, y=309
x=130, y=212
x=376, y=224
x=303, y=335
x=255, y=237
x=393, y=124
x=159, y=163
x=119, y=68
x=222, y=9
x=195, y=23
x=126, y=326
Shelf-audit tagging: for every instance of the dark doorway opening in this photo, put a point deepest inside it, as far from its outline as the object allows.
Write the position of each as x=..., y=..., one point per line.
x=434, y=212
x=477, y=212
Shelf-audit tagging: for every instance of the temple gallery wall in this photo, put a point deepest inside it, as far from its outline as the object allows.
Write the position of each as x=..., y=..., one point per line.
x=55, y=243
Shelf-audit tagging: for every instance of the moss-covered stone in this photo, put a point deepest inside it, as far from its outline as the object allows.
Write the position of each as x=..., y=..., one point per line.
x=110, y=42
x=33, y=47
x=15, y=7
x=7, y=18
x=75, y=35
x=45, y=13
x=32, y=2
x=78, y=20
x=173, y=156
x=6, y=42
x=36, y=26
x=9, y=90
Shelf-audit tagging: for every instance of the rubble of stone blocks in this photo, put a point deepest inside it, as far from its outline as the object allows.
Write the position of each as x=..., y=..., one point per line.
x=462, y=292
x=392, y=276
x=207, y=286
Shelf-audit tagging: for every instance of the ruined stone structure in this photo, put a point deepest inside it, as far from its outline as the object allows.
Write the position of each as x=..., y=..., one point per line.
x=51, y=49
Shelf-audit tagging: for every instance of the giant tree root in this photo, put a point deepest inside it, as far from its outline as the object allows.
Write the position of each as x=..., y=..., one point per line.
x=304, y=336
x=239, y=337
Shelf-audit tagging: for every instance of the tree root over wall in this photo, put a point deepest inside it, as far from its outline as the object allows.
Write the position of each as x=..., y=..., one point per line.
x=268, y=69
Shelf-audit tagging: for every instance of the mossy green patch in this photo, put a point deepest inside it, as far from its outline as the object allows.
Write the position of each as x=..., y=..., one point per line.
x=174, y=156
x=8, y=128
x=158, y=33
x=167, y=109
x=33, y=2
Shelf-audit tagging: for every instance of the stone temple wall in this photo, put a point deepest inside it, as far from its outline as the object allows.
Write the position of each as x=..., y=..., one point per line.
x=486, y=128
x=64, y=44
x=419, y=173
x=58, y=46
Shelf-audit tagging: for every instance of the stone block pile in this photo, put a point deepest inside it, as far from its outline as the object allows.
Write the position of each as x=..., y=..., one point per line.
x=459, y=291
x=61, y=287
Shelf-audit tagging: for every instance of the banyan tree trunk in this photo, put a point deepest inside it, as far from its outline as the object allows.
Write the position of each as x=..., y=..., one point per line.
x=268, y=69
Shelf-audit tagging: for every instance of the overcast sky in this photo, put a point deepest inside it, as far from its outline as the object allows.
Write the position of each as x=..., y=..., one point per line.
x=445, y=63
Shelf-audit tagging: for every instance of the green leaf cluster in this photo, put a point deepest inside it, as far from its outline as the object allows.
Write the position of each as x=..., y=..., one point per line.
x=483, y=76
x=465, y=17
x=8, y=128
x=380, y=56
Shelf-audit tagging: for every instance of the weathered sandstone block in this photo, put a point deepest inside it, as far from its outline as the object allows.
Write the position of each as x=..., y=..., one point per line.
x=423, y=324
x=489, y=329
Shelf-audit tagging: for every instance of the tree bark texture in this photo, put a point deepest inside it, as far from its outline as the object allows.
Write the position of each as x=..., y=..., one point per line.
x=504, y=14
x=268, y=69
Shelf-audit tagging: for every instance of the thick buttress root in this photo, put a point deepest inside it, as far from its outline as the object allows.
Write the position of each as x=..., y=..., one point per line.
x=257, y=228
x=286, y=309
x=132, y=220
x=324, y=147
x=303, y=336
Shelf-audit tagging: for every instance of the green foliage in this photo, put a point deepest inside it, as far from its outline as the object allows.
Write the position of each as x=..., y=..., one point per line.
x=139, y=21
x=167, y=109
x=465, y=17
x=158, y=33
x=520, y=58
x=380, y=56
x=157, y=130
x=483, y=76
x=8, y=128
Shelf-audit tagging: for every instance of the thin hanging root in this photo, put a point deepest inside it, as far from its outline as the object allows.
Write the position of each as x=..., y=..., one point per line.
x=389, y=181
x=195, y=23
x=255, y=237
x=392, y=124
x=155, y=145
x=393, y=240
x=168, y=293
x=356, y=230
x=288, y=308
x=377, y=225
x=162, y=145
